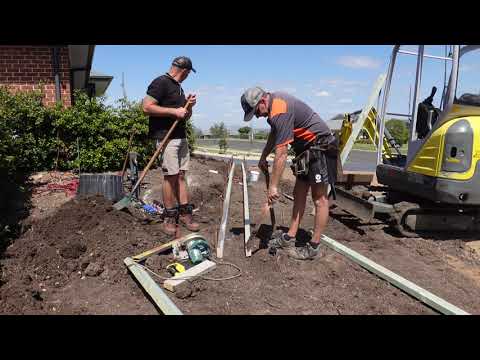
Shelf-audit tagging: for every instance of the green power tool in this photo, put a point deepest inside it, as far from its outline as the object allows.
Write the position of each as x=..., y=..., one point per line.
x=198, y=250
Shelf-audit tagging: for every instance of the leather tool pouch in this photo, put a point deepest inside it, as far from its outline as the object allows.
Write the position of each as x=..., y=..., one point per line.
x=300, y=163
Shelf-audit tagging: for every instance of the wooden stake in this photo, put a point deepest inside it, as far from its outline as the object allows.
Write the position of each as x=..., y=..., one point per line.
x=223, y=224
x=246, y=214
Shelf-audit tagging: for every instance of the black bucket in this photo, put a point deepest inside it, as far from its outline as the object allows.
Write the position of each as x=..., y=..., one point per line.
x=108, y=185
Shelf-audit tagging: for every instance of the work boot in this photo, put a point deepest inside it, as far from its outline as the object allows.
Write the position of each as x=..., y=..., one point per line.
x=169, y=226
x=186, y=217
x=281, y=240
x=307, y=252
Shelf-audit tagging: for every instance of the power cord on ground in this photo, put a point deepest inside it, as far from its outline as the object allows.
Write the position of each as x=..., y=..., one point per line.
x=197, y=277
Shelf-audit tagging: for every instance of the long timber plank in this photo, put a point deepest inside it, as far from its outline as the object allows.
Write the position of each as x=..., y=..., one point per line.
x=226, y=205
x=246, y=213
x=156, y=293
x=409, y=287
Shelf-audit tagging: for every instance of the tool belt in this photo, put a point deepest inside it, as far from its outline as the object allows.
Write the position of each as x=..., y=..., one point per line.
x=324, y=150
x=319, y=150
x=300, y=163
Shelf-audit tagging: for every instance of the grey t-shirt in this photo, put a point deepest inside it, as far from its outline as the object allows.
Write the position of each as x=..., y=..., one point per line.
x=294, y=122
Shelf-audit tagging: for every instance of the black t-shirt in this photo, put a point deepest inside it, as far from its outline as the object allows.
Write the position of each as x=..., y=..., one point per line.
x=169, y=93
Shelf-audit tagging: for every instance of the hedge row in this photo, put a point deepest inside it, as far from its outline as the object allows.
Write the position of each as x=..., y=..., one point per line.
x=89, y=134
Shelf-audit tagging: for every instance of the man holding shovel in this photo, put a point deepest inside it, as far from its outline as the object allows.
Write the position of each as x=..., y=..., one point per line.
x=164, y=103
x=294, y=122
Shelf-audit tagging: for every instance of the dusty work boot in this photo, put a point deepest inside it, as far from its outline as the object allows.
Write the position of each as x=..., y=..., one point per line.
x=307, y=252
x=281, y=240
x=186, y=217
x=169, y=226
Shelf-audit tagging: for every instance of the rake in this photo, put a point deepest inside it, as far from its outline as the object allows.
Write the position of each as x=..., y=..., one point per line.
x=127, y=200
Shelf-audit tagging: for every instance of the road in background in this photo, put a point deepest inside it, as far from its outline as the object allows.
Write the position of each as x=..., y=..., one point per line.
x=358, y=160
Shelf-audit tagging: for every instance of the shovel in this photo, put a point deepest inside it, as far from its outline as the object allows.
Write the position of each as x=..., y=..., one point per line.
x=127, y=200
x=272, y=212
x=262, y=232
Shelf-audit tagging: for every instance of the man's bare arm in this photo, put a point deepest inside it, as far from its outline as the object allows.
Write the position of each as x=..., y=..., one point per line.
x=269, y=146
x=150, y=107
x=281, y=154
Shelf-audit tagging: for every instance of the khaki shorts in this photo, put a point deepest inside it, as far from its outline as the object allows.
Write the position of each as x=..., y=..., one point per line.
x=175, y=157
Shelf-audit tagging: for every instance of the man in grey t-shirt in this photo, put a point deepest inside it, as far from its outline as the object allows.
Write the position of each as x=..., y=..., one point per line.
x=294, y=122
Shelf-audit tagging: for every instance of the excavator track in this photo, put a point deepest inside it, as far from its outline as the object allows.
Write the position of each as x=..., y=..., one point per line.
x=409, y=218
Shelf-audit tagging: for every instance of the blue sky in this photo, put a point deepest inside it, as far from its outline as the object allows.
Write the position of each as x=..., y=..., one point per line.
x=331, y=79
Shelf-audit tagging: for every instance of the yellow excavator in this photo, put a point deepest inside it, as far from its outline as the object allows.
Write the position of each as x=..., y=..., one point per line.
x=435, y=186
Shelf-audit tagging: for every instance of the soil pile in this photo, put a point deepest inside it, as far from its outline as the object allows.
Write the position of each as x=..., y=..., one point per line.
x=72, y=261
x=85, y=239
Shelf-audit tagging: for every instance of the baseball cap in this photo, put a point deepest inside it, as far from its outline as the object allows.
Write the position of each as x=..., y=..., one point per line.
x=249, y=101
x=183, y=62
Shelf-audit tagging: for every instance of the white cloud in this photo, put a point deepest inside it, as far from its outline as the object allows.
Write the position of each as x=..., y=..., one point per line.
x=345, y=101
x=345, y=83
x=322, y=93
x=359, y=62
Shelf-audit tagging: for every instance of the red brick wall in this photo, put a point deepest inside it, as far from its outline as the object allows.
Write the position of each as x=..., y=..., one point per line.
x=26, y=67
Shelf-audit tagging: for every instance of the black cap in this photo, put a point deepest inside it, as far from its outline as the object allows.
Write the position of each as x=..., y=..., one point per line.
x=183, y=62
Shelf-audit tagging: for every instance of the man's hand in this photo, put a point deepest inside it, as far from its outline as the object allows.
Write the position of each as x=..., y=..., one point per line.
x=273, y=195
x=263, y=164
x=192, y=98
x=180, y=113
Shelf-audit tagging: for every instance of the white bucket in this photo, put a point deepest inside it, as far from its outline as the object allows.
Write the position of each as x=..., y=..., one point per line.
x=253, y=176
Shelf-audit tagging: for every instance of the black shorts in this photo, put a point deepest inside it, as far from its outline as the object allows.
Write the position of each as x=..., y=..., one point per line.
x=317, y=172
x=322, y=168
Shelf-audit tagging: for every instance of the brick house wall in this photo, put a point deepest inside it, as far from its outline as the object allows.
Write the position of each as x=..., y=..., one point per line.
x=24, y=68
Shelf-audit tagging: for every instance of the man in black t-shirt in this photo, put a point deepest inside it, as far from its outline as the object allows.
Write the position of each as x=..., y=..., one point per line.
x=164, y=103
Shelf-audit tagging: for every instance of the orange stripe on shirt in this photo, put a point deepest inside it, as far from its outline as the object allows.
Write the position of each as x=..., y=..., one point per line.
x=285, y=143
x=279, y=106
x=304, y=134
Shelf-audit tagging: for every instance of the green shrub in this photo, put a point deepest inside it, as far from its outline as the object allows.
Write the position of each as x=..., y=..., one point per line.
x=223, y=145
x=26, y=133
x=398, y=129
x=103, y=133
x=191, y=135
x=32, y=136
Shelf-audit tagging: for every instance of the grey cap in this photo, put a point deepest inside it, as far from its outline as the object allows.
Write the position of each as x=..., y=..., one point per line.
x=249, y=101
x=183, y=62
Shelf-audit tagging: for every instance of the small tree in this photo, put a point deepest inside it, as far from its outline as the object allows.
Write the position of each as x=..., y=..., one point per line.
x=218, y=130
x=223, y=145
x=398, y=129
x=244, y=131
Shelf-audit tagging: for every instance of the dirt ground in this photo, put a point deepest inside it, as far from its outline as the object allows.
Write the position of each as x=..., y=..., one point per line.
x=70, y=261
